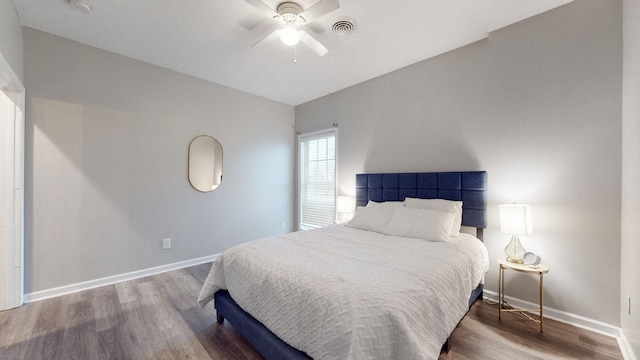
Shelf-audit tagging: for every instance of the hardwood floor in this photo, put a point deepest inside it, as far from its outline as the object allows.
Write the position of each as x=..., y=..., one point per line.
x=157, y=318
x=480, y=335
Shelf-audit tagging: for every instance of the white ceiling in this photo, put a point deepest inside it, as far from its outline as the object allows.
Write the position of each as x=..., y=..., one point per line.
x=211, y=39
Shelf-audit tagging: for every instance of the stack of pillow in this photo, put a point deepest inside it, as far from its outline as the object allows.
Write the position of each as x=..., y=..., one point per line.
x=428, y=219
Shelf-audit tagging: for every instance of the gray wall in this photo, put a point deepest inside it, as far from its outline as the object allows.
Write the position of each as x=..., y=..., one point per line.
x=106, y=164
x=11, y=36
x=537, y=105
x=630, y=285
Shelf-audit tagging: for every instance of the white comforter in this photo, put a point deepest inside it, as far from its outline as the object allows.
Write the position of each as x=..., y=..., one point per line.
x=343, y=293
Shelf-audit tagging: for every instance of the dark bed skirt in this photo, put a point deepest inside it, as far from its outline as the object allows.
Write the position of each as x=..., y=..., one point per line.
x=263, y=340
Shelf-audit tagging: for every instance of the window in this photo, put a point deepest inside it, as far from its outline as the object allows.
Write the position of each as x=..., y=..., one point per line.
x=317, y=179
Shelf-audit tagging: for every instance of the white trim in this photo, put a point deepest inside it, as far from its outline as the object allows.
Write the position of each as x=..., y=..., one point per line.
x=625, y=347
x=11, y=188
x=563, y=316
x=318, y=134
x=109, y=280
x=10, y=81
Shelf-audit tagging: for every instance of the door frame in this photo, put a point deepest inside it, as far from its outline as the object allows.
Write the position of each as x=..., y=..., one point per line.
x=12, y=190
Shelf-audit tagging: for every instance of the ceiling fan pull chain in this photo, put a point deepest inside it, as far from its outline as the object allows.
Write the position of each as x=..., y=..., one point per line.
x=295, y=54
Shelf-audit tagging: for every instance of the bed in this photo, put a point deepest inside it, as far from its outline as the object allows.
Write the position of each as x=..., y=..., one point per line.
x=356, y=293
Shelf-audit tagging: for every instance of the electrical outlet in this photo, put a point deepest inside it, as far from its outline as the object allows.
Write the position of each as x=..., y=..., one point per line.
x=282, y=225
x=166, y=243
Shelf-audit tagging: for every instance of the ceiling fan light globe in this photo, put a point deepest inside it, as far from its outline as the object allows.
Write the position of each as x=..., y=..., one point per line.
x=290, y=35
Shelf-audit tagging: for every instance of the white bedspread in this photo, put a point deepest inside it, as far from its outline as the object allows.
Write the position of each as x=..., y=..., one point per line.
x=343, y=293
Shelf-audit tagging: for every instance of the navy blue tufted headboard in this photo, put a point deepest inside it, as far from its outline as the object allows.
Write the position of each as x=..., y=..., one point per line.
x=468, y=186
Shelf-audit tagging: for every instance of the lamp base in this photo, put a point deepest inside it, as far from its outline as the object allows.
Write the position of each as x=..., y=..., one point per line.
x=515, y=261
x=514, y=250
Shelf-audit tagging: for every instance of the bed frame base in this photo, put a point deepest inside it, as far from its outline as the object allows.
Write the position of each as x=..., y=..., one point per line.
x=468, y=186
x=263, y=340
x=267, y=343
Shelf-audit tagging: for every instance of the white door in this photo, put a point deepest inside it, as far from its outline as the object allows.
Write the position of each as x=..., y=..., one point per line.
x=11, y=187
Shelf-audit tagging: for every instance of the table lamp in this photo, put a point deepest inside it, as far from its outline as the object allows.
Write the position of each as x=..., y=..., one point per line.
x=515, y=219
x=345, y=207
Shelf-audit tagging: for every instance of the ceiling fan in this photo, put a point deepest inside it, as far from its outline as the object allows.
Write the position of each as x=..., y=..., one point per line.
x=290, y=17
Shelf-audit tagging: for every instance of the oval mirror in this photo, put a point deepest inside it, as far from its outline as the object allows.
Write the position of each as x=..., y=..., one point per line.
x=205, y=163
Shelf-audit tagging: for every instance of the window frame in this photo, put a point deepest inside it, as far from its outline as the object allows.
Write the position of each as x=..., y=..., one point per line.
x=307, y=137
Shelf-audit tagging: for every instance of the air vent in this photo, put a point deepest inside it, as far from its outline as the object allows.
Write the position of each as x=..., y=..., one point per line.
x=344, y=26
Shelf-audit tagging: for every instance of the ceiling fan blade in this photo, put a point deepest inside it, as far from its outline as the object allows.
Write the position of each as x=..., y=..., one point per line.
x=271, y=36
x=314, y=44
x=265, y=31
x=258, y=4
x=319, y=9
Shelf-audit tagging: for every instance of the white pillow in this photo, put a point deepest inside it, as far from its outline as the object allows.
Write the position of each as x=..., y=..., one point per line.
x=372, y=203
x=454, y=207
x=374, y=218
x=424, y=224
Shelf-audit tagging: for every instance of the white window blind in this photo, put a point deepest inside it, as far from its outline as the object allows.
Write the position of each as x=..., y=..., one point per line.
x=317, y=179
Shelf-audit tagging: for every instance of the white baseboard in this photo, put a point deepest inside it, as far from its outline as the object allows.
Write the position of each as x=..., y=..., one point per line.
x=625, y=347
x=575, y=320
x=563, y=316
x=86, y=285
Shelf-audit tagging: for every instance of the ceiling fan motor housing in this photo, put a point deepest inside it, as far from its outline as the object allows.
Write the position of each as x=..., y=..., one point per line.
x=289, y=8
x=289, y=12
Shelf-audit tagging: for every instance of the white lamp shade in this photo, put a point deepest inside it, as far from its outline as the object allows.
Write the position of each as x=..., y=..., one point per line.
x=346, y=204
x=516, y=219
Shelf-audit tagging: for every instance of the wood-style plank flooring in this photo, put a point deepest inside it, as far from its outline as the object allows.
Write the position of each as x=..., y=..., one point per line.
x=156, y=317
